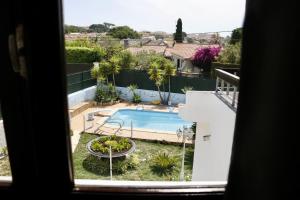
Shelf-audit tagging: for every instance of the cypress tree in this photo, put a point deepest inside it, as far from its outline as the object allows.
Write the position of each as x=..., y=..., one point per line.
x=178, y=35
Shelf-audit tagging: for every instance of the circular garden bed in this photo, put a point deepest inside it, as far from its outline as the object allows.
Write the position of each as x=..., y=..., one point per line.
x=120, y=146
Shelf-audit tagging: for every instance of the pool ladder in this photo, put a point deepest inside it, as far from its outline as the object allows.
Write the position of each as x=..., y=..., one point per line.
x=113, y=121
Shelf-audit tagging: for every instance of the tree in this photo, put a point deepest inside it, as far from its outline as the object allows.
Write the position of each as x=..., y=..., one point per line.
x=231, y=54
x=74, y=29
x=113, y=50
x=99, y=28
x=108, y=25
x=156, y=75
x=114, y=67
x=169, y=70
x=126, y=59
x=236, y=36
x=123, y=32
x=104, y=70
x=160, y=71
x=184, y=34
x=178, y=35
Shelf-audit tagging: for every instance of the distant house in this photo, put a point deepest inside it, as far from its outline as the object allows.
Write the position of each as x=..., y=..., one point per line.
x=180, y=53
x=156, y=49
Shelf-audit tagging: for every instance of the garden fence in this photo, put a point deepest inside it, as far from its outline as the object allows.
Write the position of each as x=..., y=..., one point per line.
x=79, y=81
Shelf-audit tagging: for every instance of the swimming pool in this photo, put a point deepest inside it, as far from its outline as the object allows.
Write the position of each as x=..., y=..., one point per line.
x=160, y=121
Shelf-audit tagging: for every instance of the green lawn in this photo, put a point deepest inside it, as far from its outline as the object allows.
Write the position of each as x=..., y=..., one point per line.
x=87, y=166
x=5, y=167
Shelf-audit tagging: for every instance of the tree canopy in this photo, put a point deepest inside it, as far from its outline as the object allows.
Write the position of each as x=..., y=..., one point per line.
x=123, y=32
x=99, y=28
x=178, y=35
x=236, y=36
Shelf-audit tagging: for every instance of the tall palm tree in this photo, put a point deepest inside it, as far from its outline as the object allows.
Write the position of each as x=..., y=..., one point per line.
x=169, y=70
x=156, y=75
x=114, y=66
x=104, y=70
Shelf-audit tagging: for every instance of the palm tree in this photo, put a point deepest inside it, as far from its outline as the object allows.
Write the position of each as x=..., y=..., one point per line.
x=132, y=88
x=156, y=75
x=169, y=70
x=114, y=67
x=104, y=70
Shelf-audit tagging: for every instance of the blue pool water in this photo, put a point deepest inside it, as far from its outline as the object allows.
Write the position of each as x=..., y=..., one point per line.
x=161, y=121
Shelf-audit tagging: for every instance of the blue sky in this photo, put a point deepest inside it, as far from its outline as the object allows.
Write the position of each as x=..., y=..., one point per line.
x=158, y=15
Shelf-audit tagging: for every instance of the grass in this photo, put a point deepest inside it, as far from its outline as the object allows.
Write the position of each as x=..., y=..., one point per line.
x=87, y=166
x=5, y=167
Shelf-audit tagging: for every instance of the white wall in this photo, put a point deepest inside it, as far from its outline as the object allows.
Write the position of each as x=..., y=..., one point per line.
x=214, y=118
x=150, y=95
x=2, y=135
x=88, y=94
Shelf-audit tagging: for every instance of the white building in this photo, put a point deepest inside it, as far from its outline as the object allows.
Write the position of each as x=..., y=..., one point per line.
x=215, y=127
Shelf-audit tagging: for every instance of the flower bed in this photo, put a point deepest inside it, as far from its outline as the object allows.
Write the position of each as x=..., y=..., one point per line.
x=120, y=146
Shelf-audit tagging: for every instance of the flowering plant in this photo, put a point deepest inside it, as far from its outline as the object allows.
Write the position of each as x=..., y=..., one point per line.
x=204, y=57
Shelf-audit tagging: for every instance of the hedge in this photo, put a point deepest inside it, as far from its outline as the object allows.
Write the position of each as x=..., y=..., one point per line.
x=83, y=54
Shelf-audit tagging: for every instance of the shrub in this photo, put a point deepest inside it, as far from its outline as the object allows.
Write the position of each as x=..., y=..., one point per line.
x=119, y=167
x=231, y=54
x=163, y=163
x=117, y=144
x=136, y=98
x=84, y=54
x=106, y=94
x=133, y=161
x=155, y=102
x=205, y=56
x=186, y=88
x=127, y=60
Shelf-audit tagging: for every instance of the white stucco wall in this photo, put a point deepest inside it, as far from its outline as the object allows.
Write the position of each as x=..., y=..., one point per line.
x=214, y=118
x=88, y=94
x=150, y=95
x=2, y=135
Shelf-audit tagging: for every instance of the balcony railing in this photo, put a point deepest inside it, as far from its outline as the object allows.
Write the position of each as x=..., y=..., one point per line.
x=227, y=88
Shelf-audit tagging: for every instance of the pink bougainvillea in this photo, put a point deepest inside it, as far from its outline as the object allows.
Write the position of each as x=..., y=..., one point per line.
x=204, y=56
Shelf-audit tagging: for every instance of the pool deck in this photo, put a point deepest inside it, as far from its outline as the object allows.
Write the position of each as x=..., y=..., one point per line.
x=77, y=123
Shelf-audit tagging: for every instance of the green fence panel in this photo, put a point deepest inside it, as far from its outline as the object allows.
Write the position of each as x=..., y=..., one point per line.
x=80, y=81
x=141, y=79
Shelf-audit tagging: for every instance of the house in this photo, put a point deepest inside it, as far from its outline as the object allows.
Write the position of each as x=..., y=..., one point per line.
x=215, y=113
x=180, y=53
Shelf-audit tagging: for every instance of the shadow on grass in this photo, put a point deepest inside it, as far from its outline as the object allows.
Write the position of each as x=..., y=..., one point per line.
x=188, y=159
x=100, y=166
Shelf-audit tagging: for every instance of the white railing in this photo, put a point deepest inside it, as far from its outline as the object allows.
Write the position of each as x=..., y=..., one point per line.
x=227, y=87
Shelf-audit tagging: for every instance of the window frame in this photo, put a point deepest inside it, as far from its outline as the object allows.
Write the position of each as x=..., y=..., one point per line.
x=20, y=106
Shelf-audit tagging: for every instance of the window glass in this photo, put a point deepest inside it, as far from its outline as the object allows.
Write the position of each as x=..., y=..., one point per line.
x=152, y=88
x=4, y=161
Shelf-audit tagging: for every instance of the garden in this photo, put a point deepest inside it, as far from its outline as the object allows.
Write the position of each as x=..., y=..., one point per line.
x=151, y=161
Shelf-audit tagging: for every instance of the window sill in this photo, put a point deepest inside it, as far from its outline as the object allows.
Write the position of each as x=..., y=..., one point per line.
x=5, y=181
x=211, y=187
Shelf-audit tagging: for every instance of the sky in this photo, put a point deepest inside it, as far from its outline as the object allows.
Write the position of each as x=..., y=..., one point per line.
x=158, y=15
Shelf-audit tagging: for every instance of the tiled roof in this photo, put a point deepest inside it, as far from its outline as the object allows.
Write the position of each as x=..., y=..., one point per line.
x=183, y=50
x=156, y=49
x=186, y=51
